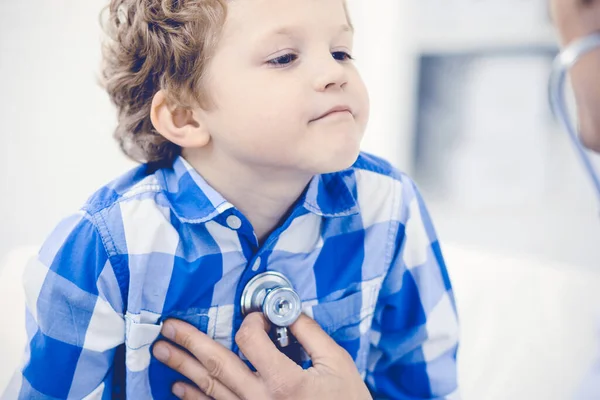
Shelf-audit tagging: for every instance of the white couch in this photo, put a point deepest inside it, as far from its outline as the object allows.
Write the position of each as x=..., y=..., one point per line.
x=529, y=329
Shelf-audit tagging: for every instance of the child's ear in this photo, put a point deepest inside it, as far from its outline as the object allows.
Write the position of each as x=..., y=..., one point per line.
x=178, y=125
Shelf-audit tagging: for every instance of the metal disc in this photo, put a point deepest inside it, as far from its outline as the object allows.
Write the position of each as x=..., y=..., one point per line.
x=257, y=288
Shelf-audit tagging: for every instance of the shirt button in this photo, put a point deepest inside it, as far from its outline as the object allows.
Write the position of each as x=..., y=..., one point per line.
x=234, y=222
x=256, y=264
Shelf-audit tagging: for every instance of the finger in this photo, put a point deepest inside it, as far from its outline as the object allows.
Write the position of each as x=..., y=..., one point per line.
x=188, y=366
x=221, y=363
x=313, y=339
x=188, y=392
x=254, y=342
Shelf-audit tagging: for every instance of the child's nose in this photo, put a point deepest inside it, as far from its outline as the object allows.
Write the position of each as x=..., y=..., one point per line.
x=330, y=75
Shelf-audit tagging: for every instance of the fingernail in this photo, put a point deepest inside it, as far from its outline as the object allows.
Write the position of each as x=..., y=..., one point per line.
x=178, y=390
x=161, y=352
x=168, y=331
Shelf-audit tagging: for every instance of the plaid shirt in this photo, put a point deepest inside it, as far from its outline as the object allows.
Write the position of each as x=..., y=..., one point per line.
x=359, y=248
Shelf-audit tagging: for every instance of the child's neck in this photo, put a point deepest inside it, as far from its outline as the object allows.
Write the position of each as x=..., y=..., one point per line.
x=264, y=197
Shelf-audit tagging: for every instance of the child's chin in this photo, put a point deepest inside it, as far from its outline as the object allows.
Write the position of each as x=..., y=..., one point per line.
x=340, y=161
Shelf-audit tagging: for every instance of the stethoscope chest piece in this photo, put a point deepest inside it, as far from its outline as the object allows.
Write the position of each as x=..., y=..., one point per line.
x=273, y=294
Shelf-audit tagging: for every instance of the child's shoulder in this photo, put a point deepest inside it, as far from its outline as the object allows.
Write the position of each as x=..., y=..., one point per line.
x=381, y=191
x=138, y=182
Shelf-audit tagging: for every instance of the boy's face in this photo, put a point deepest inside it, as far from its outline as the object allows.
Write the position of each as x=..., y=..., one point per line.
x=279, y=69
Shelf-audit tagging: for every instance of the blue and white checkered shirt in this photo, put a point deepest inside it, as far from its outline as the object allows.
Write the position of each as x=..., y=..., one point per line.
x=359, y=248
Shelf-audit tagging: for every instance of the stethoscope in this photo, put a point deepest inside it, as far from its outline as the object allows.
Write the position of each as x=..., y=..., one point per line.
x=556, y=93
x=273, y=294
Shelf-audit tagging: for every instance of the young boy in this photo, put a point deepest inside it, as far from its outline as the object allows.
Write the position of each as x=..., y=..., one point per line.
x=247, y=116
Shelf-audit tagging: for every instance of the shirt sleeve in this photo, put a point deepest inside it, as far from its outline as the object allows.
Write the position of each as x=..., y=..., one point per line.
x=74, y=316
x=414, y=335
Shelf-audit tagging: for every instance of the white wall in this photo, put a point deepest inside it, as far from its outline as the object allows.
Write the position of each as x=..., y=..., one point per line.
x=56, y=121
x=386, y=59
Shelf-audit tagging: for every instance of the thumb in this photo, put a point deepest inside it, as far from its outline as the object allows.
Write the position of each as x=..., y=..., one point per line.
x=315, y=341
x=254, y=342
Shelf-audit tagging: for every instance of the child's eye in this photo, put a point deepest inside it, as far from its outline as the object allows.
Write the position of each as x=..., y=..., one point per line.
x=283, y=60
x=341, y=56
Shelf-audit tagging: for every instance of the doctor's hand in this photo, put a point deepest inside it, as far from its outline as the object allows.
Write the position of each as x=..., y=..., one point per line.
x=221, y=375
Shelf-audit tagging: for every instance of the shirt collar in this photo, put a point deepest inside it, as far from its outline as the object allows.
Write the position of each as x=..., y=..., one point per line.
x=193, y=200
x=332, y=195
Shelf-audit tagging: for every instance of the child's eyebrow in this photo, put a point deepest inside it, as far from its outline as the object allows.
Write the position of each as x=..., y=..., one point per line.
x=294, y=31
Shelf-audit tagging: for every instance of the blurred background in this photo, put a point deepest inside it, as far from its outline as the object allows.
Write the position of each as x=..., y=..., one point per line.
x=459, y=102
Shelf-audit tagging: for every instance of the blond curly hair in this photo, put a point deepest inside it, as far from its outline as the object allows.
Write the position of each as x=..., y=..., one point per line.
x=154, y=45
